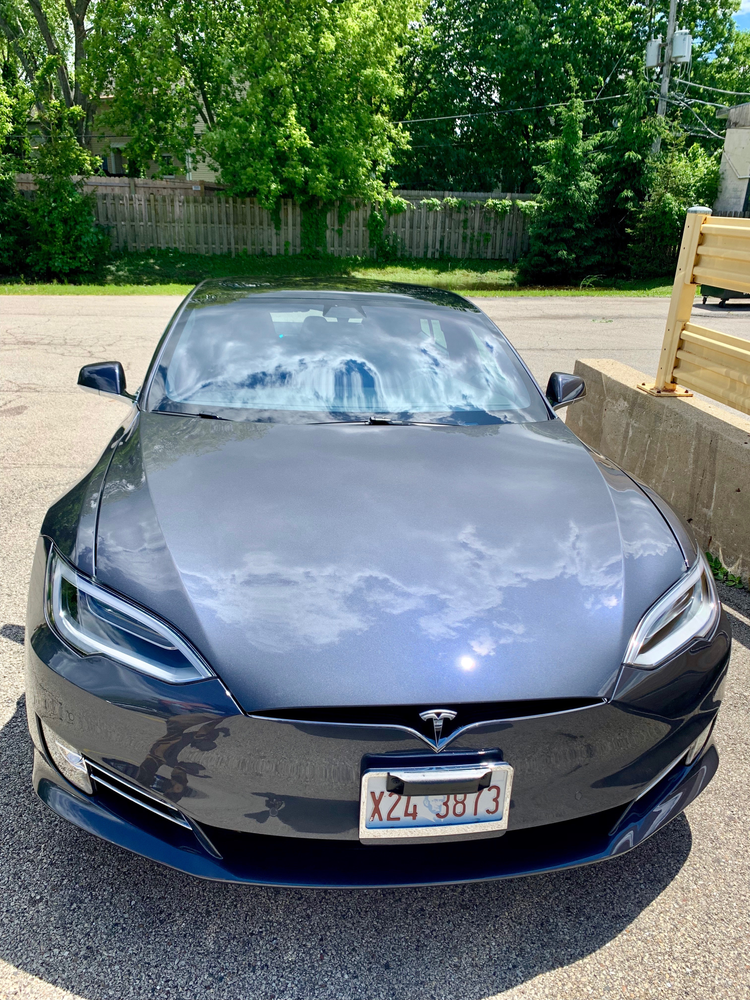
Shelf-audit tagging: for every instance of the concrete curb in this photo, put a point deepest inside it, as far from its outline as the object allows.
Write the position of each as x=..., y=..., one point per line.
x=693, y=453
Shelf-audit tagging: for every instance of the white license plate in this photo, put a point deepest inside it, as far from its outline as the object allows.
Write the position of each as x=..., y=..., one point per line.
x=434, y=802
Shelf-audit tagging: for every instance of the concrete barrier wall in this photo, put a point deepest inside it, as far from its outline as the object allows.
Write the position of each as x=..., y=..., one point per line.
x=693, y=453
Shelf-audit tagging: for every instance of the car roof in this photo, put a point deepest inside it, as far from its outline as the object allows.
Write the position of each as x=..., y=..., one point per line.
x=231, y=289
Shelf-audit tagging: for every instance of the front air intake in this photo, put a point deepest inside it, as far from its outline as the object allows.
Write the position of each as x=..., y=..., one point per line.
x=120, y=786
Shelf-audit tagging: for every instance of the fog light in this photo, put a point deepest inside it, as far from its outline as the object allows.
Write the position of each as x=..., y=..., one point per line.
x=67, y=760
x=698, y=745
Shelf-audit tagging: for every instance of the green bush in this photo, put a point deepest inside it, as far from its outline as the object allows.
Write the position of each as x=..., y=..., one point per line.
x=62, y=239
x=12, y=225
x=52, y=235
x=11, y=218
x=678, y=180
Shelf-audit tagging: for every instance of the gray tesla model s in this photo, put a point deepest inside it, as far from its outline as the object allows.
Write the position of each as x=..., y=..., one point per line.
x=345, y=603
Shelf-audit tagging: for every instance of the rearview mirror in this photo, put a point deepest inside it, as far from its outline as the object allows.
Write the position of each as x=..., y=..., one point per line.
x=106, y=376
x=562, y=389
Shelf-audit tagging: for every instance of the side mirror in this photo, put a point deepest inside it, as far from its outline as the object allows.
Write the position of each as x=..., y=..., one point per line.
x=564, y=389
x=107, y=376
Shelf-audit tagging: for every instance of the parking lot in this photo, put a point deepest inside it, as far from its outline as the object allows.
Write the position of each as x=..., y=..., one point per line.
x=79, y=918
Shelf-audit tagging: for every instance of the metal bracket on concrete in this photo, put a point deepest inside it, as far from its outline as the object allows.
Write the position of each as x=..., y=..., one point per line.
x=672, y=390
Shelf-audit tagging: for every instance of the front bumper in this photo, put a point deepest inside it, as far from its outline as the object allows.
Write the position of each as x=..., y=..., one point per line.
x=271, y=802
x=275, y=803
x=281, y=861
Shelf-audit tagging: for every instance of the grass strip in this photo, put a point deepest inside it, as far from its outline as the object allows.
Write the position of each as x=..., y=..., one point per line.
x=171, y=272
x=182, y=290
x=55, y=289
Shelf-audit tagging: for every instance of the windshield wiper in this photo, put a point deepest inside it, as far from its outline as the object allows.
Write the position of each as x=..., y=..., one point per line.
x=385, y=422
x=183, y=413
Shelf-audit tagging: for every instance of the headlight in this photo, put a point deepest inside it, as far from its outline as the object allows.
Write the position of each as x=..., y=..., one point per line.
x=687, y=611
x=94, y=621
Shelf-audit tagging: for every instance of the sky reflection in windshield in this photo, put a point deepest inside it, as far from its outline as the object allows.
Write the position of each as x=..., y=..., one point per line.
x=341, y=356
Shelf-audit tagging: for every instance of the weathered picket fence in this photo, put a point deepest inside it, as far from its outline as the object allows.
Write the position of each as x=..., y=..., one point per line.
x=430, y=227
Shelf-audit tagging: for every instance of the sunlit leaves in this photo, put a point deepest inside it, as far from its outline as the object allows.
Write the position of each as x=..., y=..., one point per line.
x=282, y=98
x=471, y=56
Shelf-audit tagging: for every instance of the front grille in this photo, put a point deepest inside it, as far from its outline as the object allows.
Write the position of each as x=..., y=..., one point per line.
x=408, y=715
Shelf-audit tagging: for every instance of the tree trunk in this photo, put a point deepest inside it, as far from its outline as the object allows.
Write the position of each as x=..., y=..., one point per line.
x=77, y=13
x=53, y=49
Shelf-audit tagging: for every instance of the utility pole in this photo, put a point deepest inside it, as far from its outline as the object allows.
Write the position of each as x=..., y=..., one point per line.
x=661, y=108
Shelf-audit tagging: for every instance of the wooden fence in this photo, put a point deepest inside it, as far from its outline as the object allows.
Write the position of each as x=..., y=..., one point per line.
x=714, y=251
x=217, y=224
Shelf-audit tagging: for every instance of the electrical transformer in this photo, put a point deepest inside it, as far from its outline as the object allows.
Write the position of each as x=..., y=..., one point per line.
x=682, y=46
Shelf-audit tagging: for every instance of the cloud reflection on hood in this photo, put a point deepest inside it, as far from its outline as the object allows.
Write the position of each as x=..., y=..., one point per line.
x=282, y=606
x=334, y=564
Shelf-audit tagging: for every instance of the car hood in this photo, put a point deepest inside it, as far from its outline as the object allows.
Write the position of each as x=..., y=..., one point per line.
x=343, y=565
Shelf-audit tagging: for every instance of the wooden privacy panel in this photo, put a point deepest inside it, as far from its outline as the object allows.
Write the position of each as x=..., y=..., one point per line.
x=715, y=364
x=473, y=232
x=216, y=224
x=204, y=225
x=723, y=254
x=714, y=251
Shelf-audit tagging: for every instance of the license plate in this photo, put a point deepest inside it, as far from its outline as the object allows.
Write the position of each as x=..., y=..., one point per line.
x=430, y=803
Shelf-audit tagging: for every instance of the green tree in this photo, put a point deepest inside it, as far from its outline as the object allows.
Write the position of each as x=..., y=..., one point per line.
x=46, y=41
x=291, y=97
x=564, y=243
x=623, y=161
x=44, y=121
x=471, y=57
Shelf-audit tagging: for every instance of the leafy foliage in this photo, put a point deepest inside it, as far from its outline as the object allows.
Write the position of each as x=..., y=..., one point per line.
x=678, y=180
x=623, y=162
x=10, y=208
x=44, y=120
x=60, y=239
x=609, y=206
x=721, y=573
x=563, y=241
x=384, y=245
x=304, y=98
x=506, y=62
x=46, y=50
x=292, y=95
x=313, y=229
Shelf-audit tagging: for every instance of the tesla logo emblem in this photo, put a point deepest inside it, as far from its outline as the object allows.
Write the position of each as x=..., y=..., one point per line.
x=438, y=716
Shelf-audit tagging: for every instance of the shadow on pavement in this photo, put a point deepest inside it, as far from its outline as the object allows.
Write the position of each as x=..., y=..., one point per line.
x=731, y=305
x=13, y=632
x=100, y=922
x=737, y=603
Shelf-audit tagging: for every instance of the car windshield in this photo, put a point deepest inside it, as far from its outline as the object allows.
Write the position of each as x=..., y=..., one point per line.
x=348, y=356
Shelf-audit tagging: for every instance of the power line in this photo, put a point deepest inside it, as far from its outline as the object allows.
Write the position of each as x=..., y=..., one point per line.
x=717, y=90
x=415, y=121
x=683, y=103
x=699, y=100
x=506, y=111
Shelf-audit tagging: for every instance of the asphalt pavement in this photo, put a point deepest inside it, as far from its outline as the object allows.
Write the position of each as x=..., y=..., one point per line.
x=80, y=918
